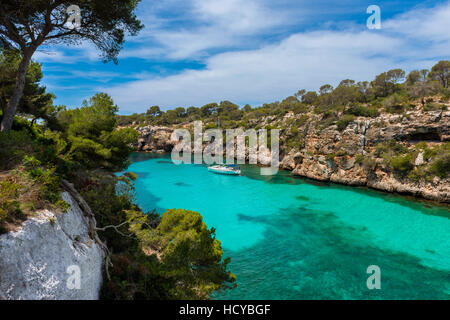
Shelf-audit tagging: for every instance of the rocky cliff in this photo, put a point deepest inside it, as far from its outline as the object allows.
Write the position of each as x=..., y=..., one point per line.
x=51, y=256
x=341, y=155
x=331, y=155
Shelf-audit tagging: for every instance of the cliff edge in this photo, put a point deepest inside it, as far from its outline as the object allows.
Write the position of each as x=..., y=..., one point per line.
x=51, y=257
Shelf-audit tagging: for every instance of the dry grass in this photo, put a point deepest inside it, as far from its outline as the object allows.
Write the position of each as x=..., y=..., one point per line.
x=19, y=199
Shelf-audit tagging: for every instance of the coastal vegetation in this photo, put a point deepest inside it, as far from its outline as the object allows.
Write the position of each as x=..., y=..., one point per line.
x=393, y=97
x=402, y=160
x=172, y=256
x=392, y=92
x=25, y=26
x=46, y=148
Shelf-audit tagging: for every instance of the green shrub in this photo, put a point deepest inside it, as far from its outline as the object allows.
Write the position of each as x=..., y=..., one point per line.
x=419, y=174
x=170, y=257
x=294, y=131
x=48, y=181
x=94, y=141
x=33, y=166
x=430, y=153
x=13, y=146
x=192, y=252
x=325, y=123
x=445, y=94
x=360, y=110
x=301, y=121
x=379, y=124
x=297, y=142
x=341, y=153
x=441, y=165
x=300, y=108
x=367, y=162
x=402, y=164
x=434, y=107
x=50, y=187
x=421, y=146
x=296, y=138
x=394, y=103
x=10, y=209
x=359, y=158
x=389, y=149
x=344, y=121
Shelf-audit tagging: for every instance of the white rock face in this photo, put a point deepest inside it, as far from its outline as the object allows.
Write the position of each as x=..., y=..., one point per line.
x=419, y=160
x=34, y=261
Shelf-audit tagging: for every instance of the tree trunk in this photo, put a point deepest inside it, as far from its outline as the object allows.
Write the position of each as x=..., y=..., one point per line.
x=11, y=108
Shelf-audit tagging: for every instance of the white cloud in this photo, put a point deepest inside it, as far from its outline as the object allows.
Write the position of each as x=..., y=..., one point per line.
x=57, y=56
x=431, y=24
x=206, y=25
x=238, y=16
x=303, y=60
x=189, y=29
x=67, y=54
x=273, y=72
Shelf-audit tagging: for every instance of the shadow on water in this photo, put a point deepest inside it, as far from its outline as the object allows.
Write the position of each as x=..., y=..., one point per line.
x=302, y=198
x=165, y=162
x=182, y=184
x=141, y=175
x=148, y=200
x=307, y=254
x=143, y=156
x=310, y=255
x=424, y=206
x=282, y=177
x=285, y=177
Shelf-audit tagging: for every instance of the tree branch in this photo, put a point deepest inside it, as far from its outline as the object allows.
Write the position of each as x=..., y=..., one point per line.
x=117, y=229
x=26, y=25
x=13, y=33
x=91, y=221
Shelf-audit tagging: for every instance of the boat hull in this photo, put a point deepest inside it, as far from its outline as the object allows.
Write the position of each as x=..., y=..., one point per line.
x=230, y=173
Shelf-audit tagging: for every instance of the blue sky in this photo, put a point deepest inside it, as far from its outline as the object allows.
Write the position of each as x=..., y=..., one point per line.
x=193, y=52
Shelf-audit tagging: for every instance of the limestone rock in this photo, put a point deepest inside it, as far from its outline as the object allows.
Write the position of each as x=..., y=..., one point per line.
x=419, y=160
x=34, y=260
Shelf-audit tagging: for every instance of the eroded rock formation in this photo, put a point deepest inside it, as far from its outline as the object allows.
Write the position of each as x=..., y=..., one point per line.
x=331, y=155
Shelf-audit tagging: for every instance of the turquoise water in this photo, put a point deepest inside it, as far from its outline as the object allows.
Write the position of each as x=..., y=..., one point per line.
x=290, y=238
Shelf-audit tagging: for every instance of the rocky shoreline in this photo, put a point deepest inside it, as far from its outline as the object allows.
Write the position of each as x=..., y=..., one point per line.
x=330, y=154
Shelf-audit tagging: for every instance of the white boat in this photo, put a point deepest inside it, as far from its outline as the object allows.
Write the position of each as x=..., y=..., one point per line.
x=222, y=169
